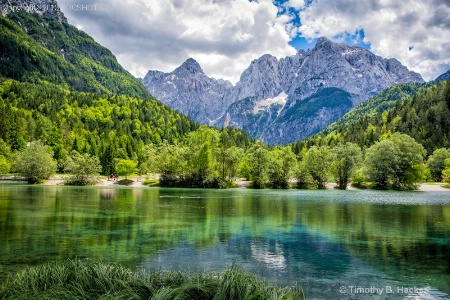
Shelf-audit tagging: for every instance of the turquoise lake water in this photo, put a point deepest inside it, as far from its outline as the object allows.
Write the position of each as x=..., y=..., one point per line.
x=335, y=244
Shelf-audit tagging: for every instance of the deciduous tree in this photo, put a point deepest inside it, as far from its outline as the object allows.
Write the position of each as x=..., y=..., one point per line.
x=436, y=162
x=317, y=162
x=83, y=168
x=35, y=163
x=126, y=167
x=346, y=158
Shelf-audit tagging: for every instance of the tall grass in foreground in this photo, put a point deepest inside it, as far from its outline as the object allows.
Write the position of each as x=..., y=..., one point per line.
x=84, y=279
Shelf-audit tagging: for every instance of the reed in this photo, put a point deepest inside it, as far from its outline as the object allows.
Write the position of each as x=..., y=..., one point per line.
x=86, y=279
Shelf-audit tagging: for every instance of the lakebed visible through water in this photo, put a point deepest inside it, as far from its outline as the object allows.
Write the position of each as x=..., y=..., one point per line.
x=335, y=244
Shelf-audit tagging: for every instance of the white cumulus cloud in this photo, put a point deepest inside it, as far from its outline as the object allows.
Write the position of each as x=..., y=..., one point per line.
x=296, y=4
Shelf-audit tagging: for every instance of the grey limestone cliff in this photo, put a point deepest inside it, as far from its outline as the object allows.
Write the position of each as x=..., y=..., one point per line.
x=189, y=90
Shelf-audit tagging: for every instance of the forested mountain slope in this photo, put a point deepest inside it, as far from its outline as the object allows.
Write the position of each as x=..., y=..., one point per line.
x=378, y=104
x=37, y=48
x=425, y=116
x=86, y=122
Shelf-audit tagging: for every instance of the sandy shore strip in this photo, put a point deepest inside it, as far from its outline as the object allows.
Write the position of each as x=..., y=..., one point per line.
x=59, y=180
x=138, y=180
x=433, y=187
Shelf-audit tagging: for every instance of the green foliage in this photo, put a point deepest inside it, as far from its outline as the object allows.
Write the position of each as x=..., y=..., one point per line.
x=304, y=179
x=380, y=163
x=204, y=158
x=202, y=146
x=151, y=182
x=170, y=163
x=375, y=106
x=108, y=127
x=410, y=168
x=358, y=179
x=436, y=162
x=125, y=181
x=281, y=163
x=346, y=157
x=5, y=166
x=395, y=162
x=317, y=161
x=325, y=98
x=446, y=172
x=83, y=279
x=35, y=163
x=233, y=156
x=257, y=157
x=244, y=168
x=126, y=167
x=5, y=149
x=83, y=168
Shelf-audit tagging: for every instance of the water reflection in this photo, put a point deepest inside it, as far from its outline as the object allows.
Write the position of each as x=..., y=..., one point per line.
x=322, y=239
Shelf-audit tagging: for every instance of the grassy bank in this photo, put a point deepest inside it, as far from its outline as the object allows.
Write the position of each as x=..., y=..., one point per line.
x=84, y=279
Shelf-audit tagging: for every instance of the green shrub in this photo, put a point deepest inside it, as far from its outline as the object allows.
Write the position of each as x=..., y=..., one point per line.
x=125, y=182
x=151, y=182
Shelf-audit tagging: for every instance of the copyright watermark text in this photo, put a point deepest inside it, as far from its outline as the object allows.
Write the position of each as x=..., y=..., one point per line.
x=69, y=7
x=373, y=290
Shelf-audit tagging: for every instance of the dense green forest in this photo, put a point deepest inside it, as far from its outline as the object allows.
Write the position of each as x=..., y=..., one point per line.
x=385, y=100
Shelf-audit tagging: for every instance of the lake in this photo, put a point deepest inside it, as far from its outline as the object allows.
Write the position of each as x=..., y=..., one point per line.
x=335, y=244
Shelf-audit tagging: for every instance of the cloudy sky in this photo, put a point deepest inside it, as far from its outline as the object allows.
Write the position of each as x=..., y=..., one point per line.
x=224, y=36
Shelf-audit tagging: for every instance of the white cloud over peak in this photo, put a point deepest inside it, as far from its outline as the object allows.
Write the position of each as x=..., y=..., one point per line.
x=222, y=35
x=416, y=32
x=296, y=4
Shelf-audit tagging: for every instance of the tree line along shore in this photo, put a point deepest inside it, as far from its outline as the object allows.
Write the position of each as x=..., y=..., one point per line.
x=208, y=158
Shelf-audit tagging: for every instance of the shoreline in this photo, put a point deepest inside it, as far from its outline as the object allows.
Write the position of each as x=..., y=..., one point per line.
x=426, y=187
x=138, y=183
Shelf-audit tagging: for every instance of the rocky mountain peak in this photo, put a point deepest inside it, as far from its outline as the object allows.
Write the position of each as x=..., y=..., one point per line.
x=190, y=90
x=326, y=44
x=323, y=40
x=189, y=66
x=47, y=8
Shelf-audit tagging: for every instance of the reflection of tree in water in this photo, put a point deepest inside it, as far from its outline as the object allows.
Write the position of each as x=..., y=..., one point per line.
x=107, y=194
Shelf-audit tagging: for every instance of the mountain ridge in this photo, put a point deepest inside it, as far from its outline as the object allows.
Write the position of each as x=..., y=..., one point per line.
x=354, y=70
